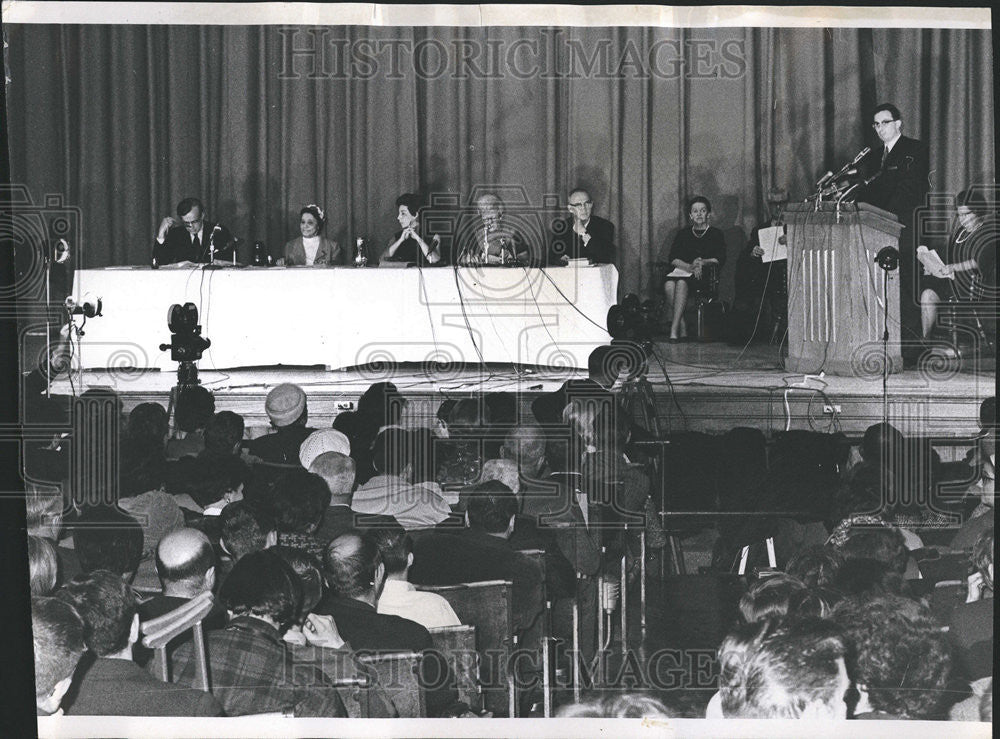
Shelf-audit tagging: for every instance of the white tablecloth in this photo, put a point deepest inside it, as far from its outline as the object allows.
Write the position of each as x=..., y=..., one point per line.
x=344, y=317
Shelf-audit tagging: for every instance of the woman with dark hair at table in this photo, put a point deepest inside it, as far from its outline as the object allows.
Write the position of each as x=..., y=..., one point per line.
x=969, y=273
x=408, y=245
x=696, y=249
x=311, y=248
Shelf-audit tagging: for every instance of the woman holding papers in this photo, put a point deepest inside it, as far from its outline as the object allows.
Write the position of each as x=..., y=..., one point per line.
x=967, y=271
x=697, y=251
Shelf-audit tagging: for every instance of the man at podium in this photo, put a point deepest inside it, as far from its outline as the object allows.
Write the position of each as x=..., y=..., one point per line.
x=900, y=168
x=190, y=237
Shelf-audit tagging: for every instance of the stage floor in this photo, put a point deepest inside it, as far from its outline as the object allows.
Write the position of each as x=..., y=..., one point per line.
x=695, y=386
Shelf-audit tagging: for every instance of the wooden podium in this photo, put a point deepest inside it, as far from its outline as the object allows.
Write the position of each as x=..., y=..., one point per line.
x=836, y=292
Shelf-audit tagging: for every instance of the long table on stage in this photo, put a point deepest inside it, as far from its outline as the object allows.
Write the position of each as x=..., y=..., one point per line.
x=343, y=317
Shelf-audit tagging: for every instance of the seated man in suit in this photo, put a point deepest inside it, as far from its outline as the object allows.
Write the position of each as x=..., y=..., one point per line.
x=57, y=632
x=190, y=237
x=583, y=235
x=482, y=552
x=398, y=596
x=337, y=470
x=112, y=684
x=494, y=241
x=356, y=576
x=185, y=564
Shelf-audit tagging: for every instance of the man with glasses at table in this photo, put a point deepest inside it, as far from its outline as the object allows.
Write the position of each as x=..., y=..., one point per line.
x=191, y=237
x=902, y=166
x=582, y=235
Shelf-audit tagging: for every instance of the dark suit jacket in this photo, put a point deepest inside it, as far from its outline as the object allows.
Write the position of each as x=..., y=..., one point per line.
x=337, y=520
x=281, y=447
x=471, y=555
x=118, y=687
x=600, y=249
x=177, y=247
x=902, y=184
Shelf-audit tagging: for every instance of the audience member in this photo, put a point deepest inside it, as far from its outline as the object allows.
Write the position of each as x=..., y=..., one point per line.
x=298, y=500
x=399, y=597
x=112, y=684
x=770, y=598
x=899, y=658
x=628, y=705
x=784, y=669
x=379, y=407
x=338, y=471
x=185, y=564
x=195, y=407
x=392, y=493
x=107, y=539
x=57, y=632
x=43, y=565
x=482, y=552
x=245, y=529
x=321, y=442
x=141, y=454
x=815, y=566
x=286, y=407
x=971, y=626
x=252, y=668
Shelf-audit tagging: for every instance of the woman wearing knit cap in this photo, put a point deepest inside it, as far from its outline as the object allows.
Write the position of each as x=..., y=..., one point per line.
x=312, y=249
x=286, y=407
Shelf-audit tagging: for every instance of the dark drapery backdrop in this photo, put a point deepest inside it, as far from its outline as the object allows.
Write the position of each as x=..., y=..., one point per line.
x=127, y=120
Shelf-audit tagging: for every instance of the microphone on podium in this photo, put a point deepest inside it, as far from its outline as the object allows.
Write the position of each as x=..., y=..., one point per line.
x=861, y=155
x=825, y=178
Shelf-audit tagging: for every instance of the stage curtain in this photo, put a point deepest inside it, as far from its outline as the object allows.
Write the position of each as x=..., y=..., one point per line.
x=124, y=121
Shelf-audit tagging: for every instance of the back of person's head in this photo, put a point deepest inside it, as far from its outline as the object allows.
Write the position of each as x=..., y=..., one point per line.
x=491, y=506
x=43, y=565
x=184, y=558
x=394, y=545
x=525, y=444
x=816, y=566
x=107, y=607
x=207, y=480
x=982, y=557
x=44, y=507
x=391, y=452
x=245, y=528
x=769, y=598
x=898, y=656
x=338, y=471
x=262, y=584
x=612, y=428
x=867, y=492
x=286, y=405
x=616, y=705
x=224, y=432
x=105, y=538
x=867, y=577
x=444, y=410
x=195, y=407
x=580, y=414
x=788, y=669
x=320, y=442
x=502, y=470
x=147, y=421
x=381, y=405
x=310, y=573
x=299, y=499
x=988, y=414
x=58, y=635
x=882, y=441
x=351, y=563
x=882, y=543
x=468, y=417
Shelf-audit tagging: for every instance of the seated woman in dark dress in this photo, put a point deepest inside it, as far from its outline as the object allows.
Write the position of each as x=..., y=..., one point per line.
x=408, y=245
x=970, y=265
x=695, y=248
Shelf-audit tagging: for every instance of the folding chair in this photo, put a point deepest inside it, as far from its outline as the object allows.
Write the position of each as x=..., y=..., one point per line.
x=458, y=646
x=159, y=632
x=398, y=674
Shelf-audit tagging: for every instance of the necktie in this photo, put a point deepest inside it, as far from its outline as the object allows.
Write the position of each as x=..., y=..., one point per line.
x=885, y=155
x=196, y=247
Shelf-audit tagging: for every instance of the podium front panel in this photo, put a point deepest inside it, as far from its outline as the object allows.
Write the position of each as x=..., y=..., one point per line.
x=837, y=295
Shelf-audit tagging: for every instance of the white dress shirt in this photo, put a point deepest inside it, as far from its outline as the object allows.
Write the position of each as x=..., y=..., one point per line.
x=430, y=610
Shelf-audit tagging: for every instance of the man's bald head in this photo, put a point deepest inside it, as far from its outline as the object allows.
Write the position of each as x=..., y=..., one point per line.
x=502, y=470
x=338, y=470
x=525, y=445
x=352, y=564
x=185, y=562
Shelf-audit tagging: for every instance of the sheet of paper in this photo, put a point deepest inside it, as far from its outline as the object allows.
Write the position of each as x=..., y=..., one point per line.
x=932, y=262
x=773, y=251
x=678, y=272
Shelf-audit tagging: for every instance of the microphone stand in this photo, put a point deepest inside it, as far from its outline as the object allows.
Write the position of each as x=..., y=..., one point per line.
x=885, y=346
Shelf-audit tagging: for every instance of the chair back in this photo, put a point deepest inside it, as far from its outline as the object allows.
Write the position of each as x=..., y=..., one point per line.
x=398, y=675
x=159, y=632
x=488, y=607
x=458, y=646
